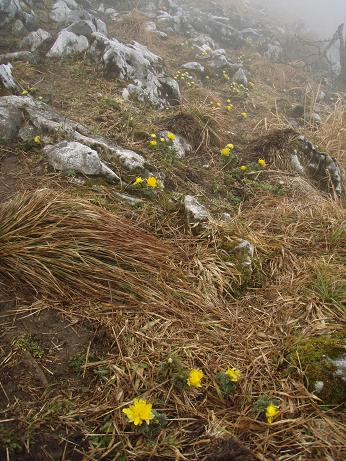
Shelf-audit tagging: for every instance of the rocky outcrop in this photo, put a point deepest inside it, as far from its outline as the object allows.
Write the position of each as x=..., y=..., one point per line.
x=35, y=39
x=136, y=63
x=49, y=124
x=68, y=43
x=77, y=157
x=320, y=166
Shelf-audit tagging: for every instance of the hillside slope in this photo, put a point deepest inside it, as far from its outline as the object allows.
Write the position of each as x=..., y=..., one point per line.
x=172, y=229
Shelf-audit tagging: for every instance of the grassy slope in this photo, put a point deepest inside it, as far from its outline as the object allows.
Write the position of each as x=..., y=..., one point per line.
x=114, y=353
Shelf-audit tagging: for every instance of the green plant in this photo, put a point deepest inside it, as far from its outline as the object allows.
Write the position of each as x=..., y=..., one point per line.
x=27, y=343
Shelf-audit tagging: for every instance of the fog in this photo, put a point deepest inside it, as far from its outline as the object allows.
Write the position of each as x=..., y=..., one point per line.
x=320, y=16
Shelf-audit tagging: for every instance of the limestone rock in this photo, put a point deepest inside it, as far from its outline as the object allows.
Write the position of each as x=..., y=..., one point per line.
x=321, y=166
x=9, y=9
x=25, y=56
x=195, y=212
x=68, y=43
x=136, y=63
x=10, y=121
x=35, y=39
x=195, y=66
x=6, y=78
x=75, y=156
x=240, y=77
x=180, y=145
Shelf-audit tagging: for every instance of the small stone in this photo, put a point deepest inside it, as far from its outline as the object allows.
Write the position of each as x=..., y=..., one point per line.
x=195, y=212
x=6, y=78
x=240, y=77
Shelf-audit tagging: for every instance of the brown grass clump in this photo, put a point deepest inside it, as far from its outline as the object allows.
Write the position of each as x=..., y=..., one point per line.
x=132, y=26
x=65, y=246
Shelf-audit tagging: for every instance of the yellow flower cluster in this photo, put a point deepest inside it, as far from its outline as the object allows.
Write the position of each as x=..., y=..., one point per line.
x=226, y=151
x=185, y=77
x=169, y=137
x=151, y=181
x=226, y=76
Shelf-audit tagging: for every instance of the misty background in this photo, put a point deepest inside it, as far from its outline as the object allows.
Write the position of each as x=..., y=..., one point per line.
x=321, y=16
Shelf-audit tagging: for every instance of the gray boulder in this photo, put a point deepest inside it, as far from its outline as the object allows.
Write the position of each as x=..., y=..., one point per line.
x=180, y=145
x=274, y=52
x=68, y=43
x=196, y=213
x=25, y=56
x=194, y=66
x=65, y=11
x=35, y=39
x=9, y=9
x=136, y=63
x=240, y=77
x=10, y=121
x=6, y=78
x=321, y=167
x=18, y=28
x=75, y=156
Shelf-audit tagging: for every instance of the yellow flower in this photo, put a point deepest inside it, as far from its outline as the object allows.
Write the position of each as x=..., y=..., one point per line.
x=230, y=146
x=225, y=152
x=162, y=139
x=230, y=107
x=24, y=92
x=262, y=162
x=40, y=98
x=153, y=143
x=244, y=114
x=139, y=412
x=37, y=140
x=271, y=412
x=138, y=180
x=229, y=100
x=234, y=374
x=243, y=168
x=251, y=85
x=195, y=378
x=153, y=136
x=151, y=181
x=170, y=136
x=207, y=77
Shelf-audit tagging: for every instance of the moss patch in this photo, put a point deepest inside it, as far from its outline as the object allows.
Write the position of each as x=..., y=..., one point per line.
x=314, y=356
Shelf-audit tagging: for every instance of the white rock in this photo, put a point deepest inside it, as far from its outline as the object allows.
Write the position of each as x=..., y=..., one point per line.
x=179, y=144
x=75, y=156
x=35, y=39
x=249, y=249
x=18, y=27
x=240, y=77
x=129, y=159
x=295, y=162
x=62, y=11
x=68, y=43
x=319, y=385
x=196, y=213
x=133, y=201
x=8, y=10
x=10, y=121
x=25, y=56
x=136, y=63
x=196, y=66
x=6, y=78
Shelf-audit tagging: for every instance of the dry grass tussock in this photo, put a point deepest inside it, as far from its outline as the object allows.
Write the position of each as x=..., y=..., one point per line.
x=55, y=243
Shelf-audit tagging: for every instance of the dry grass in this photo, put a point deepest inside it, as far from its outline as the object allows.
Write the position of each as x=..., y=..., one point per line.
x=66, y=247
